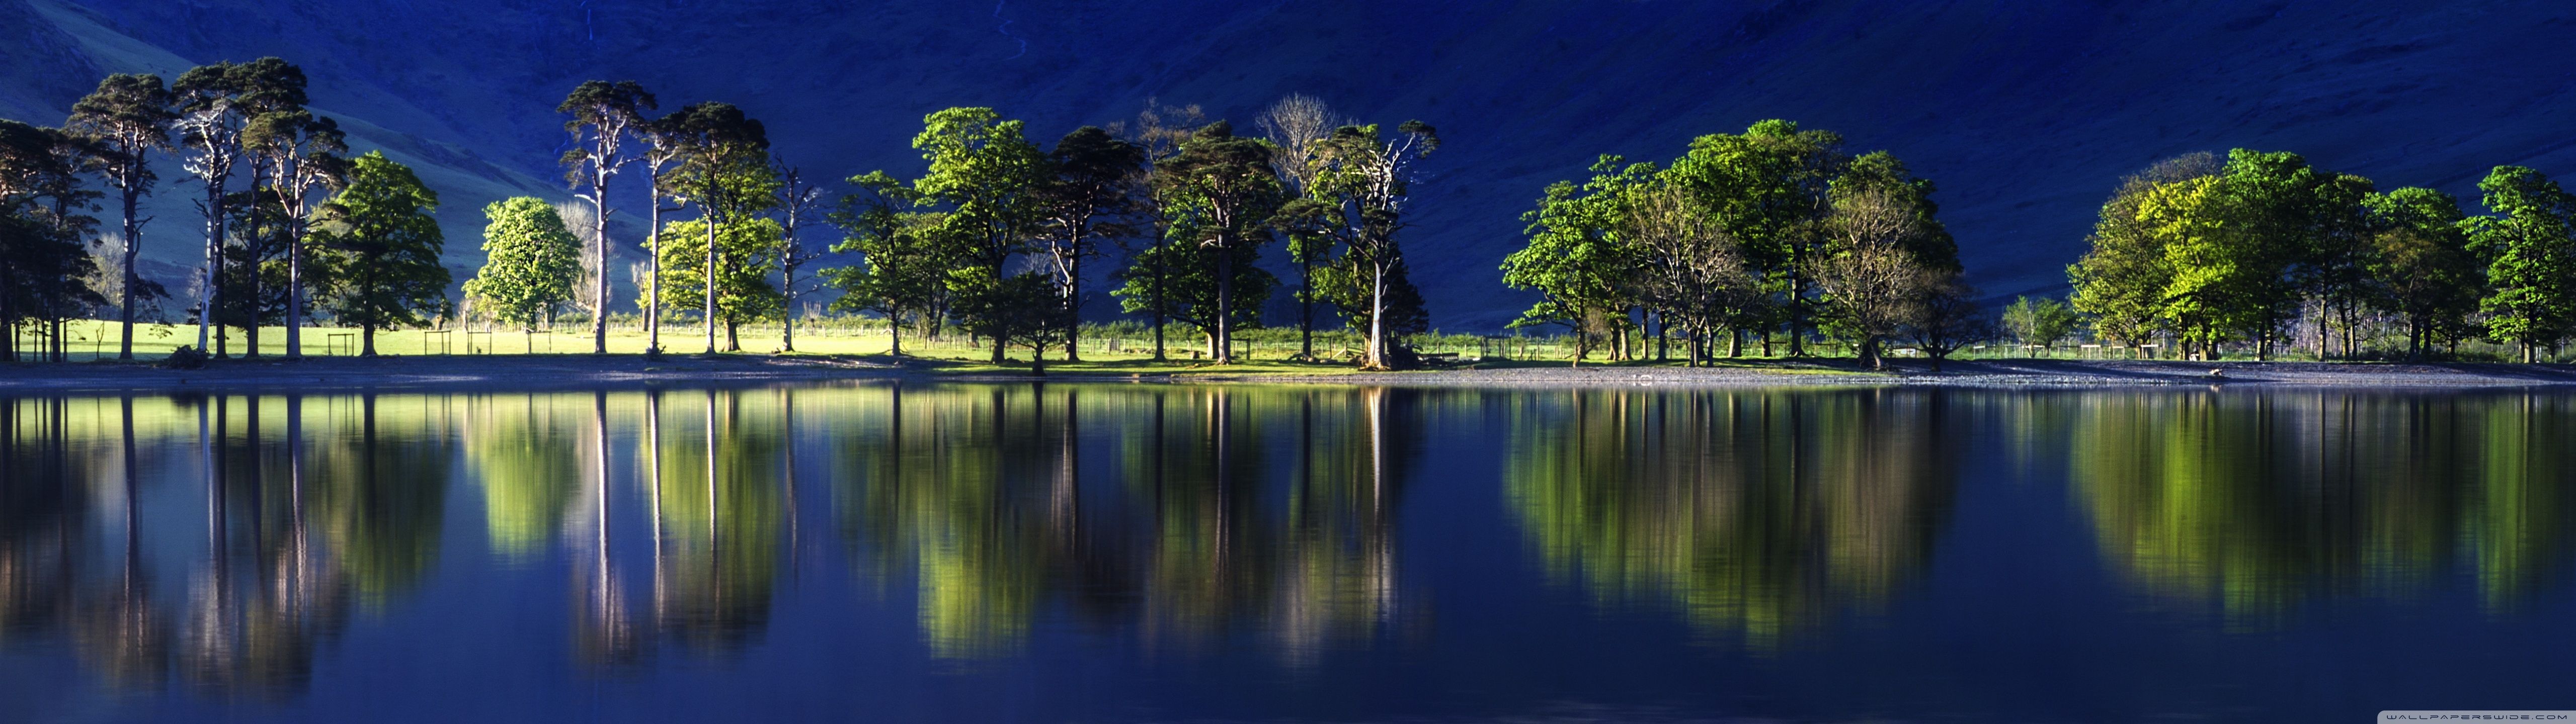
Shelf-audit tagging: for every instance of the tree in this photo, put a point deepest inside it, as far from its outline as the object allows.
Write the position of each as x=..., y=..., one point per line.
x=1884, y=250
x=1226, y=191
x=1947, y=318
x=1160, y=129
x=129, y=115
x=532, y=263
x=1089, y=195
x=384, y=246
x=1371, y=176
x=745, y=258
x=726, y=173
x=271, y=97
x=1579, y=256
x=2532, y=241
x=984, y=178
x=2039, y=323
x=1186, y=274
x=1019, y=309
x=299, y=152
x=901, y=268
x=1298, y=126
x=43, y=258
x=667, y=145
x=1869, y=280
x=799, y=203
x=1770, y=188
x=210, y=119
x=2120, y=282
x=1688, y=270
x=2421, y=265
x=605, y=112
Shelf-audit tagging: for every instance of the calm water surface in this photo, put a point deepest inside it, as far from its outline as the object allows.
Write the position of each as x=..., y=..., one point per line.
x=1068, y=552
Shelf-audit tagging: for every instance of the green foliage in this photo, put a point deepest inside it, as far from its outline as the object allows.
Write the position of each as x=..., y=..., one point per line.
x=2421, y=266
x=2532, y=245
x=2039, y=323
x=746, y=262
x=530, y=265
x=1578, y=257
x=383, y=244
x=1220, y=192
x=902, y=269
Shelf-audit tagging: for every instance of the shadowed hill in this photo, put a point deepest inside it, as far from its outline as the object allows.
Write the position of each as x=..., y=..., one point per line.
x=2024, y=113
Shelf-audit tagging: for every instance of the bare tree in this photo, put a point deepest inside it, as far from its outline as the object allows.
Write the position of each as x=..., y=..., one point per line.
x=1871, y=283
x=1693, y=270
x=1299, y=124
x=799, y=204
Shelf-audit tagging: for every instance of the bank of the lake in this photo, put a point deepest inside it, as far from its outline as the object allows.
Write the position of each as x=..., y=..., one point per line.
x=542, y=372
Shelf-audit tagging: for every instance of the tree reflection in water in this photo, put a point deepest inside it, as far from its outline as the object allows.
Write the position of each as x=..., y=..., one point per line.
x=2257, y=502
x=1188, y=517
x=979, y=493
x=1756, y=513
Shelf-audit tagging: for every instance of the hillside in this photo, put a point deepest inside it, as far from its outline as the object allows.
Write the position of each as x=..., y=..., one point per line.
x=2024, y=113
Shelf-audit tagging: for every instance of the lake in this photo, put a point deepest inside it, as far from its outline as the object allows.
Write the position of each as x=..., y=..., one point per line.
x=1105, y=552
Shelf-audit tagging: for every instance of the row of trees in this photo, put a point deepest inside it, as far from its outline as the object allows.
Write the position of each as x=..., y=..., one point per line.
x=994, y=234
x=1775, y=230
x=2214, y=252
x=275, y=247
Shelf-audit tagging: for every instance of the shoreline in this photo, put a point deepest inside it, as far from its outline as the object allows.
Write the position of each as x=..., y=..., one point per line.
x=582, y=371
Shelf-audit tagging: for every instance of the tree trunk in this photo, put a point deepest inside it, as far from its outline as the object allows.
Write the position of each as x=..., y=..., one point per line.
x=1073, y=314
x=1306, y=310
x=653, y=303
x=894, y=335
x=367, y=335
x=1223, y=352
x=133, y=227
x=1377, y=316
x=599, y=235
x=709, y=310
x=1162, y=305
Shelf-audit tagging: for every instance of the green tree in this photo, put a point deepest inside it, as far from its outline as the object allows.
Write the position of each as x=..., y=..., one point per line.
x=2039, y=323
x=1368, y=178
x=277, y=135
x=129, y=116
x=726, y=173
x=384, y=246
x=901, y=269
x=42, y=255
x=2120, y=282
x=1181, y=277
x=2421, y=265
x=210, y=117
x=603, y=114
x=1090, y=196
x=984, y=180
x=531, y=263
x=1227, y=191
x=746, y=260
x=298, y=153
x=1579, y=256
x=2532, y=241
x=1021, y=310
x=1770, y=187
x=2219, y=274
